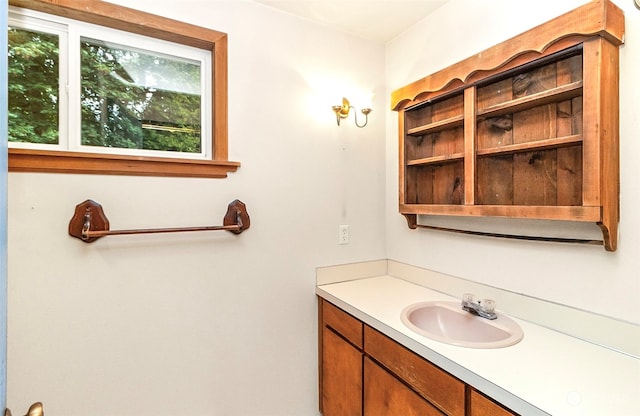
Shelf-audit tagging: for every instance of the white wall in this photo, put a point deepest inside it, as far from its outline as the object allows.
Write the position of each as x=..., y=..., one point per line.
x=3, y=211
x=206, y=323
x=584, y=277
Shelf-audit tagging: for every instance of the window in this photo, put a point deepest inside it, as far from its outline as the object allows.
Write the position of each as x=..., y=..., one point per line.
x=148, y=99
x=135, y=99
x=33, y=75
x=100, y=88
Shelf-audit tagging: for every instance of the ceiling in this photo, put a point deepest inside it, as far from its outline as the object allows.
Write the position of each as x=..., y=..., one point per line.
x=378, y=20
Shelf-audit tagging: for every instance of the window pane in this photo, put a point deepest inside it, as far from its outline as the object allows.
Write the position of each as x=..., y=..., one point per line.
x=33, y=87
x=137, y=100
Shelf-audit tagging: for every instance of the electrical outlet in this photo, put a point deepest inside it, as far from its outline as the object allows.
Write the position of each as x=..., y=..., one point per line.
x=343, y=234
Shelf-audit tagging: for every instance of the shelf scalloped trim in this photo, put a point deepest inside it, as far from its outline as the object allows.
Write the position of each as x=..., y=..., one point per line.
x=596, y=18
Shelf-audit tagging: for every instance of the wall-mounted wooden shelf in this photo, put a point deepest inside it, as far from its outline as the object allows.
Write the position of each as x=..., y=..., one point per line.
x=534, y=137
x=437, y=126
x=453, y=157
x=524, y=147
x=553, y=95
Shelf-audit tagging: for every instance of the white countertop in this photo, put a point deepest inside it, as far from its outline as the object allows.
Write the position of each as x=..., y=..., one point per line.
x=547, y=373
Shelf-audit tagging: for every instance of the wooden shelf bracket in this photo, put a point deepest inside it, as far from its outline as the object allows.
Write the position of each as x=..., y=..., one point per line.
x=89, y=222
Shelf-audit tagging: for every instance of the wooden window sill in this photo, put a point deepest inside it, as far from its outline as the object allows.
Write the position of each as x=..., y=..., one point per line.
x=23, y=160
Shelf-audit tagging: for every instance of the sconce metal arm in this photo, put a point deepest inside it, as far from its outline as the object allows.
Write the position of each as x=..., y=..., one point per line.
x=342, y=111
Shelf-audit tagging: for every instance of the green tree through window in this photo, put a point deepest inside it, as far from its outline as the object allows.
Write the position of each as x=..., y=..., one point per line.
x=138, y=100
x=129, y=99
x=33, y=87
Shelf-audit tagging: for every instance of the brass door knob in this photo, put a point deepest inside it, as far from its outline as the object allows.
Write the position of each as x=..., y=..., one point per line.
x=35, y=409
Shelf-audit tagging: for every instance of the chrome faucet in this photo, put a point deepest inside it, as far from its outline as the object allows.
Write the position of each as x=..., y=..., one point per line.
x=484, y=308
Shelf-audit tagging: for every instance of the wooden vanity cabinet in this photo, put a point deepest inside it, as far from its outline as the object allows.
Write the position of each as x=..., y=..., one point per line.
x=386, y=395
x=480, y=405
x=525, y=129
x=341, y=365
x=364, y=372
x=441, y=389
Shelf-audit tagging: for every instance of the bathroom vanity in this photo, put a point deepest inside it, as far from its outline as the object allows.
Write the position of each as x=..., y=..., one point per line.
x=364, y=372
x=371, y=363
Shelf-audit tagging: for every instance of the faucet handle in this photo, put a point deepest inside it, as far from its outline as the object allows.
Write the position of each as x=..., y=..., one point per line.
x=468, y=298
x=488, y=305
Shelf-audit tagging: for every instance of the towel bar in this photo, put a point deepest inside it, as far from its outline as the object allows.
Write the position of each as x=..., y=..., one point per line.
x=89, y=222
x=513, y=236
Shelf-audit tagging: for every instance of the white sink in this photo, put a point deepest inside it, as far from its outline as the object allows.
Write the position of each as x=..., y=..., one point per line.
x=447, y=322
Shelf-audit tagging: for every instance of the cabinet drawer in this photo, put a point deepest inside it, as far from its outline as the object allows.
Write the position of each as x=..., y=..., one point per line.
x=343, y=323
x=439, y=387
x=482, y=406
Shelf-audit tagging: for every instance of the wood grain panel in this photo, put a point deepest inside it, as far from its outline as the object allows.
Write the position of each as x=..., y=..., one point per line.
x=343, y=323
x=384, y=395
x=479, y=405
x=341, y=376
x=534, y=178
x=448, y=184
x=434, y=384
x=569, y=176
x=495, y=180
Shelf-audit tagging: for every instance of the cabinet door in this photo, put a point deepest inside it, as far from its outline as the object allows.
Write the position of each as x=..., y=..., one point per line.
x=482, y=406
x=385, y=395
x=341, y=376
x=431, y=382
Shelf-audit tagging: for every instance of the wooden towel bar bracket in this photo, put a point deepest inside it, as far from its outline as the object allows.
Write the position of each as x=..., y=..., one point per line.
x=89, y=222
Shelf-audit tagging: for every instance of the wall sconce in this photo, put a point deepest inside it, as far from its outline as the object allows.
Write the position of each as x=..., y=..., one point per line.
x=342, y=111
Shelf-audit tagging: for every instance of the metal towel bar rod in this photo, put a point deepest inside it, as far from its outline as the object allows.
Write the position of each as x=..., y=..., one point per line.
x=89, y=223
x=90, y=233
x=515, y=237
